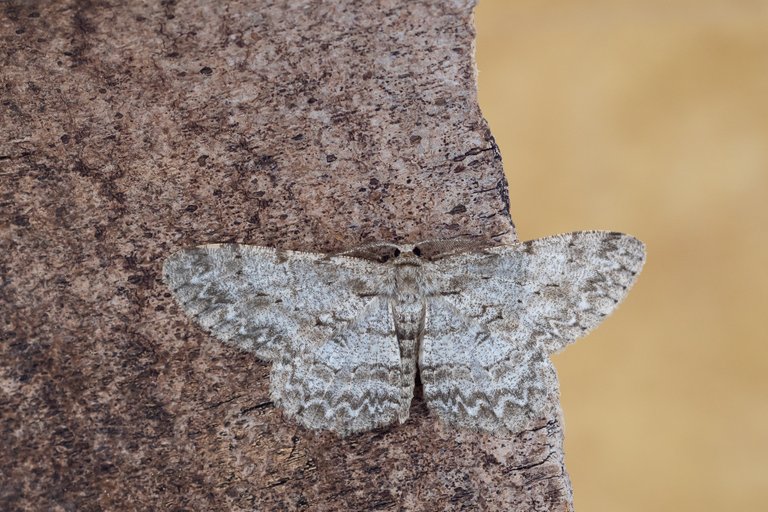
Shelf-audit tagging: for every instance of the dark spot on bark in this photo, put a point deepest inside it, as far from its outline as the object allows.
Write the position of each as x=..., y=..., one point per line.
x=21, y=220
x=374, y=183
x=12, y=12
x=83, y=24
x=311, y=100
x=460, y=208
x=65, y=139
x=266, y=162
x=20, y=30
x=206, y=71
x=298, y=137
x=415, y=139
x=330, y=158
x=106, y=467
x=191, y=208
x=461, y=495
x=201, y=160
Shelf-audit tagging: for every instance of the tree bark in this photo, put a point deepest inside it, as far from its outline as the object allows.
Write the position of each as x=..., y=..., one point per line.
x=130, y=131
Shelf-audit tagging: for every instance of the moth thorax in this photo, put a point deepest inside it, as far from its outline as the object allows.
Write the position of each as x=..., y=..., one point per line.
x=408, y=302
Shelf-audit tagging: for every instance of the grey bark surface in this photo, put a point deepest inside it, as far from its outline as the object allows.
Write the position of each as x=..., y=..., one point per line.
x=130, y=131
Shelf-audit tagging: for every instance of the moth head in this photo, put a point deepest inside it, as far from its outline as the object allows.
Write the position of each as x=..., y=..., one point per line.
x=384, y=252
x=407, y=254
x=400, y=254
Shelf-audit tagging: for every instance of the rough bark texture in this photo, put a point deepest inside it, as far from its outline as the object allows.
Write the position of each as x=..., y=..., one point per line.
x=128, y=132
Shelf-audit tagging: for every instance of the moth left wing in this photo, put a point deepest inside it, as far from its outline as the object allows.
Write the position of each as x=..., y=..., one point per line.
x=270, y=301
x=350, y=383
x=320, y=319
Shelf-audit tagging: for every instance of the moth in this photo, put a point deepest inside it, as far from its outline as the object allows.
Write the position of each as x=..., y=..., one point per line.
x=348, y=334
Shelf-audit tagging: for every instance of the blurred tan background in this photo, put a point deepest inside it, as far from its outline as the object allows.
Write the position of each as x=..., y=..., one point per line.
x=649, y=118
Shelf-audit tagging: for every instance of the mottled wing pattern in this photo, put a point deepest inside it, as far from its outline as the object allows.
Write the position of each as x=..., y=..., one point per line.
x=492, y=318
x=545, y=293
x=320, y=319
x=350, y=383
x=477, y=378
x=485, y=365
x=269, y=301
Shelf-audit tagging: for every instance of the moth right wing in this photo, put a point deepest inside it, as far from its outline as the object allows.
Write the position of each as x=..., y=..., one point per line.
x=478, y=379
x=270, y=301
x=543, y=293
x=495, y=316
